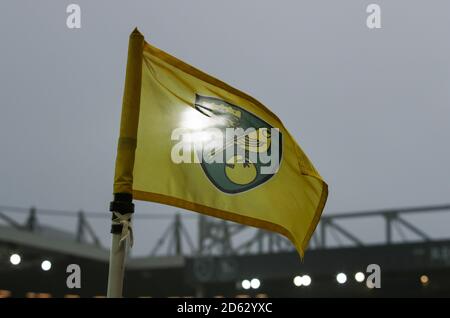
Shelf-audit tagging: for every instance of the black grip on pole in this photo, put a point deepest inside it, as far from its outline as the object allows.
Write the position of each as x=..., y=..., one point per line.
x=122, y=204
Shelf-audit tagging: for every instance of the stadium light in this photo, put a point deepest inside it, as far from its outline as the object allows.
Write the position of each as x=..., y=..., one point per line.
x=255, y=283
x=359, y=277
x=15, y=259
x=424, y=279
x=246, y=284
x=341, y=278
x=298, y=281
x=306, y=279
x=46, y=265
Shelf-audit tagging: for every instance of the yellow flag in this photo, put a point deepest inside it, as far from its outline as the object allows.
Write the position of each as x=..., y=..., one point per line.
x=189, y=140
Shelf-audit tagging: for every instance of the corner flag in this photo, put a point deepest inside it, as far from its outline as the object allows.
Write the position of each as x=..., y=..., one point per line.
x=192, y=141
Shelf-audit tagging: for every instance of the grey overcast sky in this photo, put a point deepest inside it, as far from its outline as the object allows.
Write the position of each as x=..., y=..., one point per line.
x=371, y=108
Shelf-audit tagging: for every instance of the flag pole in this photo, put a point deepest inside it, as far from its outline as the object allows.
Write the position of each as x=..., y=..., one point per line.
x=122, y=207
x=116, y=267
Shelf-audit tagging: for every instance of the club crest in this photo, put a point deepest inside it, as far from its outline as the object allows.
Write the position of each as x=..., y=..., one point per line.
x=249, y=152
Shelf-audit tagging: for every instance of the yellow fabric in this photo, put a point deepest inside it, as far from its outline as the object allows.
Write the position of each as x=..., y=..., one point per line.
x=289, y=203
x=123, y=179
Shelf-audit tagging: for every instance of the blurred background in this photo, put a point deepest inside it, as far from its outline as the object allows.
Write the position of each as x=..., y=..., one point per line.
x=370, y=107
